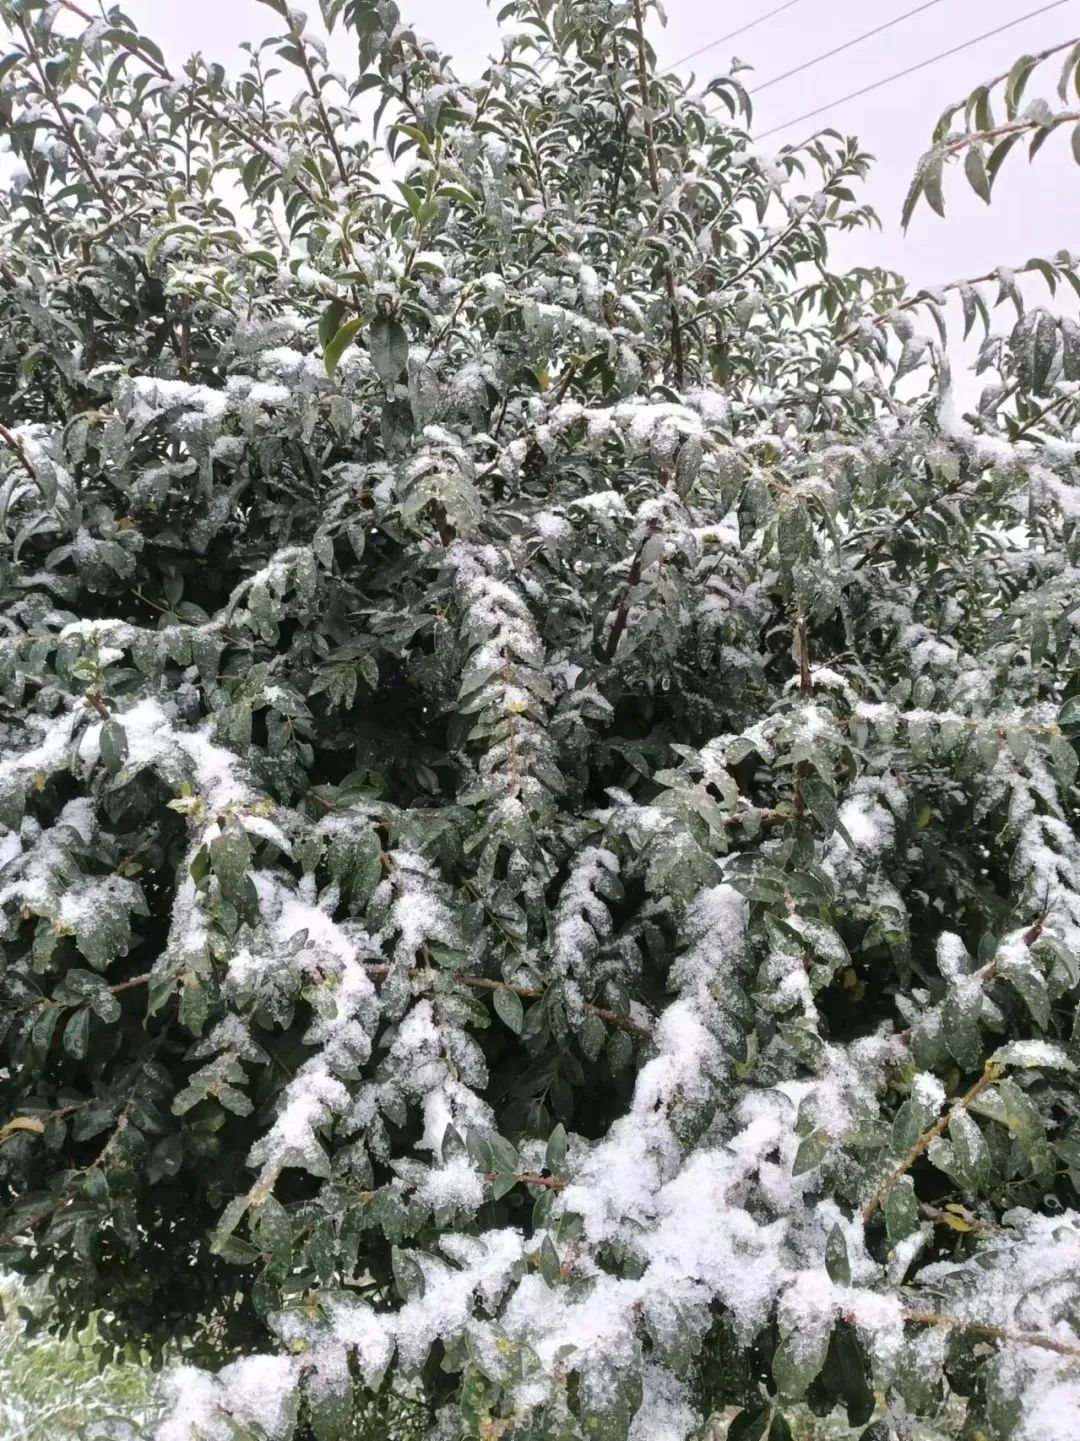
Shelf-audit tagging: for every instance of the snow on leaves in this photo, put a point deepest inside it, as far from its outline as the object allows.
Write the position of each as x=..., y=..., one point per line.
x=538, y=788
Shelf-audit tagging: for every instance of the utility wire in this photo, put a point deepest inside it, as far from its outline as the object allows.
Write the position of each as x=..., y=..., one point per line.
x=732, y=33
x=911, y=69
x=867, y=35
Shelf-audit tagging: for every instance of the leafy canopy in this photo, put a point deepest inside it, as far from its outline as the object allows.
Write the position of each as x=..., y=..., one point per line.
x=538, y=845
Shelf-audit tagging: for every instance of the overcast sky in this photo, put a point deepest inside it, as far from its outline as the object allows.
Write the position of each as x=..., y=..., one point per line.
x=1036, y=209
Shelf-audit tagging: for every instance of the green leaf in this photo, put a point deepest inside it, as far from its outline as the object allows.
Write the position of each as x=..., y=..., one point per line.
x=389, y=346
x=962, y=1034
x=412, y=199
x=503, y=1183
x=332, y=1416
x=821, y=802
x=975, y=170
x=77, y=1034
x=503, y=1155
x=836, y=1258
x=620, y=1051
x=797, y=1360
x=998, y=154
x=550, y=1265
x=931, y=184
x=194, y=1004
x=971, y=1156
x=114, y=746
x=230, y=857
x=901, y=1210
x=509, y=1009
x=408, y=1276
x=844, y=1375
x=330, y=321
x=555, y=1154
x=911, y=199
x=812, y=1151
x=463, y=197
x=1015, y=83
x=337, y=347
x=749, y=1425
x=1069, y=716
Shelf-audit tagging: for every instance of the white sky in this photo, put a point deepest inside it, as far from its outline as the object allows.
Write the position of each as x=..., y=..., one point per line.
x=1036, y=209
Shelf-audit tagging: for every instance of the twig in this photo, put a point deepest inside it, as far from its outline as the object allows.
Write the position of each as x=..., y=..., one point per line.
x=1037, y=419
x=17, y=446
x=65, y=124
x=912, y=511
x=988, y=85
x=988, y=1077
x=1013, y=127
x=328, y=130
x=622, y=615
x=552, y=1183
x=654, y=181
x=164, y=73
x=379, y=970
x=995, y=1333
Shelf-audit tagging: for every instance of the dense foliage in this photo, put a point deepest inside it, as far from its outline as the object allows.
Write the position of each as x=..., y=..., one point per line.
x=538, y=815
x=54, y=1386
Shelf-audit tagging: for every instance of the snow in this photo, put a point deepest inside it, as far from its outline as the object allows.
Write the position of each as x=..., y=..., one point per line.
x=456, y=1186
x=1043, y=1054
x=582, y=919
x=256, y=1391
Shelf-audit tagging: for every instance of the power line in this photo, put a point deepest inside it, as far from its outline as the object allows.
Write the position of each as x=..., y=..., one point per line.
x=911, y=69
x=869, y=34
x=732, y=33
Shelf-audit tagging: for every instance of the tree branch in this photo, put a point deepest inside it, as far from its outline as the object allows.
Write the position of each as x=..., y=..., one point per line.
x=654, y=181
x=988, y=1077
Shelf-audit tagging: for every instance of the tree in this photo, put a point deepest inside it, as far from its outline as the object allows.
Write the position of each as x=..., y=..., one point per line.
x=540, y=863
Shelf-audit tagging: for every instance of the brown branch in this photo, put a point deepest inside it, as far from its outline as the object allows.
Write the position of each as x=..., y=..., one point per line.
x=622, y=615
x=65, y=124
x=96, y=701
x=529, y=1178
x=1013, y=127
x=1042, y=414
x=995, y=1333
x=17, y=446
x=762, y=255
x=118, y=990
x=379, y=970
x=654, y=181
x=927, y=293
x=988, y=1077
x=959, y=1220
x=806, y=680
x=912, y=511
x=988, y=85
x=324, y=119
x=210, y=111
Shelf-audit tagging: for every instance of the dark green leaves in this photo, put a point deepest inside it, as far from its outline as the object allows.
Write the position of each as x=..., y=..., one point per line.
x=812, y=1151
x=230, y=857
x=389, y=347
x=836, y=1257
x=340, y=341
x=509, y=1009
x=975, y=170
x=901, y=1210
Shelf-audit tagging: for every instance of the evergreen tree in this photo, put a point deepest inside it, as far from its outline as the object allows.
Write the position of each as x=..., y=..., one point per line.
x=538, y=847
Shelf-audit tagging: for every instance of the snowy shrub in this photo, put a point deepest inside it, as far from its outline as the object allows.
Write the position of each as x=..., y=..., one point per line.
x=538, y=856
x=53, y=1387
